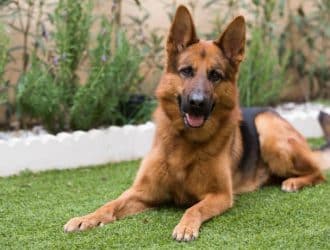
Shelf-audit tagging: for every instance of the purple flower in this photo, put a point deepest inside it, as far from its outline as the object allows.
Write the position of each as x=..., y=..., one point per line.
x=103, y=31
x=104, y=58
x=56, y=60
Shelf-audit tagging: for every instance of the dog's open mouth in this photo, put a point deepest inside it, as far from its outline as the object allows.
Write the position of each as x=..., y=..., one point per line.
x=194, y=121
x=194, y=117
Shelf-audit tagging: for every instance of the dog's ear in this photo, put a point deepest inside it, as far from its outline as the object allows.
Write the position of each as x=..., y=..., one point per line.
x=182, y=32
x=232, y=40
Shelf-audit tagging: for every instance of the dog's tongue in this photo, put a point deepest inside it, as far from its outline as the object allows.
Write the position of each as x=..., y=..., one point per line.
x=195, y=121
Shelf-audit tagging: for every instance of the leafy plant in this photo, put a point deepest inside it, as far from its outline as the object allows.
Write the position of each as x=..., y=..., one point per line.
x=56, y=42
x=72, y=20
x=262, y=74
x=50, y=91
x=113, y=77
x=137, y=109
x=307, y=35
x=46, y=90
x=150, y=44
x=39, y=96
x=4, y=43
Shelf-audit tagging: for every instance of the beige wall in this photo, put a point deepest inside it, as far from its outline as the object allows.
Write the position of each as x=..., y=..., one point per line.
x=158, y=19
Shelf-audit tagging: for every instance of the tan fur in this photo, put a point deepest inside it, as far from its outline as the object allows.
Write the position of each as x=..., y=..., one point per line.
x=287, y=153
x=199, y=167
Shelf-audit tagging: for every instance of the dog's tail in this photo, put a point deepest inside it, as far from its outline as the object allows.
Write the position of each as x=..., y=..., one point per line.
x=305, y=157
x=317, y=158
x=322, y=155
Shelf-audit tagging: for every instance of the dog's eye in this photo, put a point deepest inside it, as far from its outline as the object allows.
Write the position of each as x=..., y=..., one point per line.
x=187, y=71
x=214, y=76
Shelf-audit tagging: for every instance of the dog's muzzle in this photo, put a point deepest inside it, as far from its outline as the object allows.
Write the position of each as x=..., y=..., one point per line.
x=195, y=108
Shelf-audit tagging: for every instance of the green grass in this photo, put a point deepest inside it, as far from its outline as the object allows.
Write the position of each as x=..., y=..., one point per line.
x=35, y=206
x=322, y=101
x=316, y=142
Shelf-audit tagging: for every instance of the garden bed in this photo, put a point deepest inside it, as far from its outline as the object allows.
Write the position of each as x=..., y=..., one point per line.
x=113, y=144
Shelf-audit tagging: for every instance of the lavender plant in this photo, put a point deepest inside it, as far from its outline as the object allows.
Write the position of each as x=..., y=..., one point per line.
x=72, y=20
x=112, y=78
x=4, y=44
x=40, y=97
x=46, y=90
x=262, y=73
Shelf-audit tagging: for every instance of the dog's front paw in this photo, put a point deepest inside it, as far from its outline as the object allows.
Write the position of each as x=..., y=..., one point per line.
x=290, y=185
x=185, y=232
x=82, y=223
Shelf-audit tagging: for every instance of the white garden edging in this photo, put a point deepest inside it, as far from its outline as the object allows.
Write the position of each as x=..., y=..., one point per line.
x=304, y=117
x=99, y=146
x=71, y=150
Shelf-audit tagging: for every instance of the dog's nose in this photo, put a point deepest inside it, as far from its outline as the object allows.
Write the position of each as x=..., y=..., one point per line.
x=197, y=99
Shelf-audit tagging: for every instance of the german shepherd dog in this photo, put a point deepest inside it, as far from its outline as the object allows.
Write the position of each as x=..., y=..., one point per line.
x=206, y=148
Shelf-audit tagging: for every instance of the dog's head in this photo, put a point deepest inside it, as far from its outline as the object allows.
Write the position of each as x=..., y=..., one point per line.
x=201, y=75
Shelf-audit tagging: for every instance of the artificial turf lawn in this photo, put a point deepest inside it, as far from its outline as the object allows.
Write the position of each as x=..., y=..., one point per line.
x=34, y=208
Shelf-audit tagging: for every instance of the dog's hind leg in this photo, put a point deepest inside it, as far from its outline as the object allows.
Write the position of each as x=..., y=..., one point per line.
x=287, y=153
x=306, y=166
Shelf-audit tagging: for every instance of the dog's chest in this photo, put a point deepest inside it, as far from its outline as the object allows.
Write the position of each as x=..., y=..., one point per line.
x=180, y=188
x=187, y=181
x=180, y=176
x=191, y=171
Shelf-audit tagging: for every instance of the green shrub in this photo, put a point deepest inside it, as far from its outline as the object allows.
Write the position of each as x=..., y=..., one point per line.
x=46, y=91
x=262, y=73
x=138, y=109
x=4, y=43
x=50, y=92
x=39, y=96
x=309, y=47
x=113, y=77
x=72, y=20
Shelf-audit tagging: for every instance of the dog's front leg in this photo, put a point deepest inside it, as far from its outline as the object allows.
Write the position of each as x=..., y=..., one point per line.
x=144, y=194
x=212, y=205
x=126, y=204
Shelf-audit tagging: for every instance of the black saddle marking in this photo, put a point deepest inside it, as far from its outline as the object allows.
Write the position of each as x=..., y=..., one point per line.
x=250, y=137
